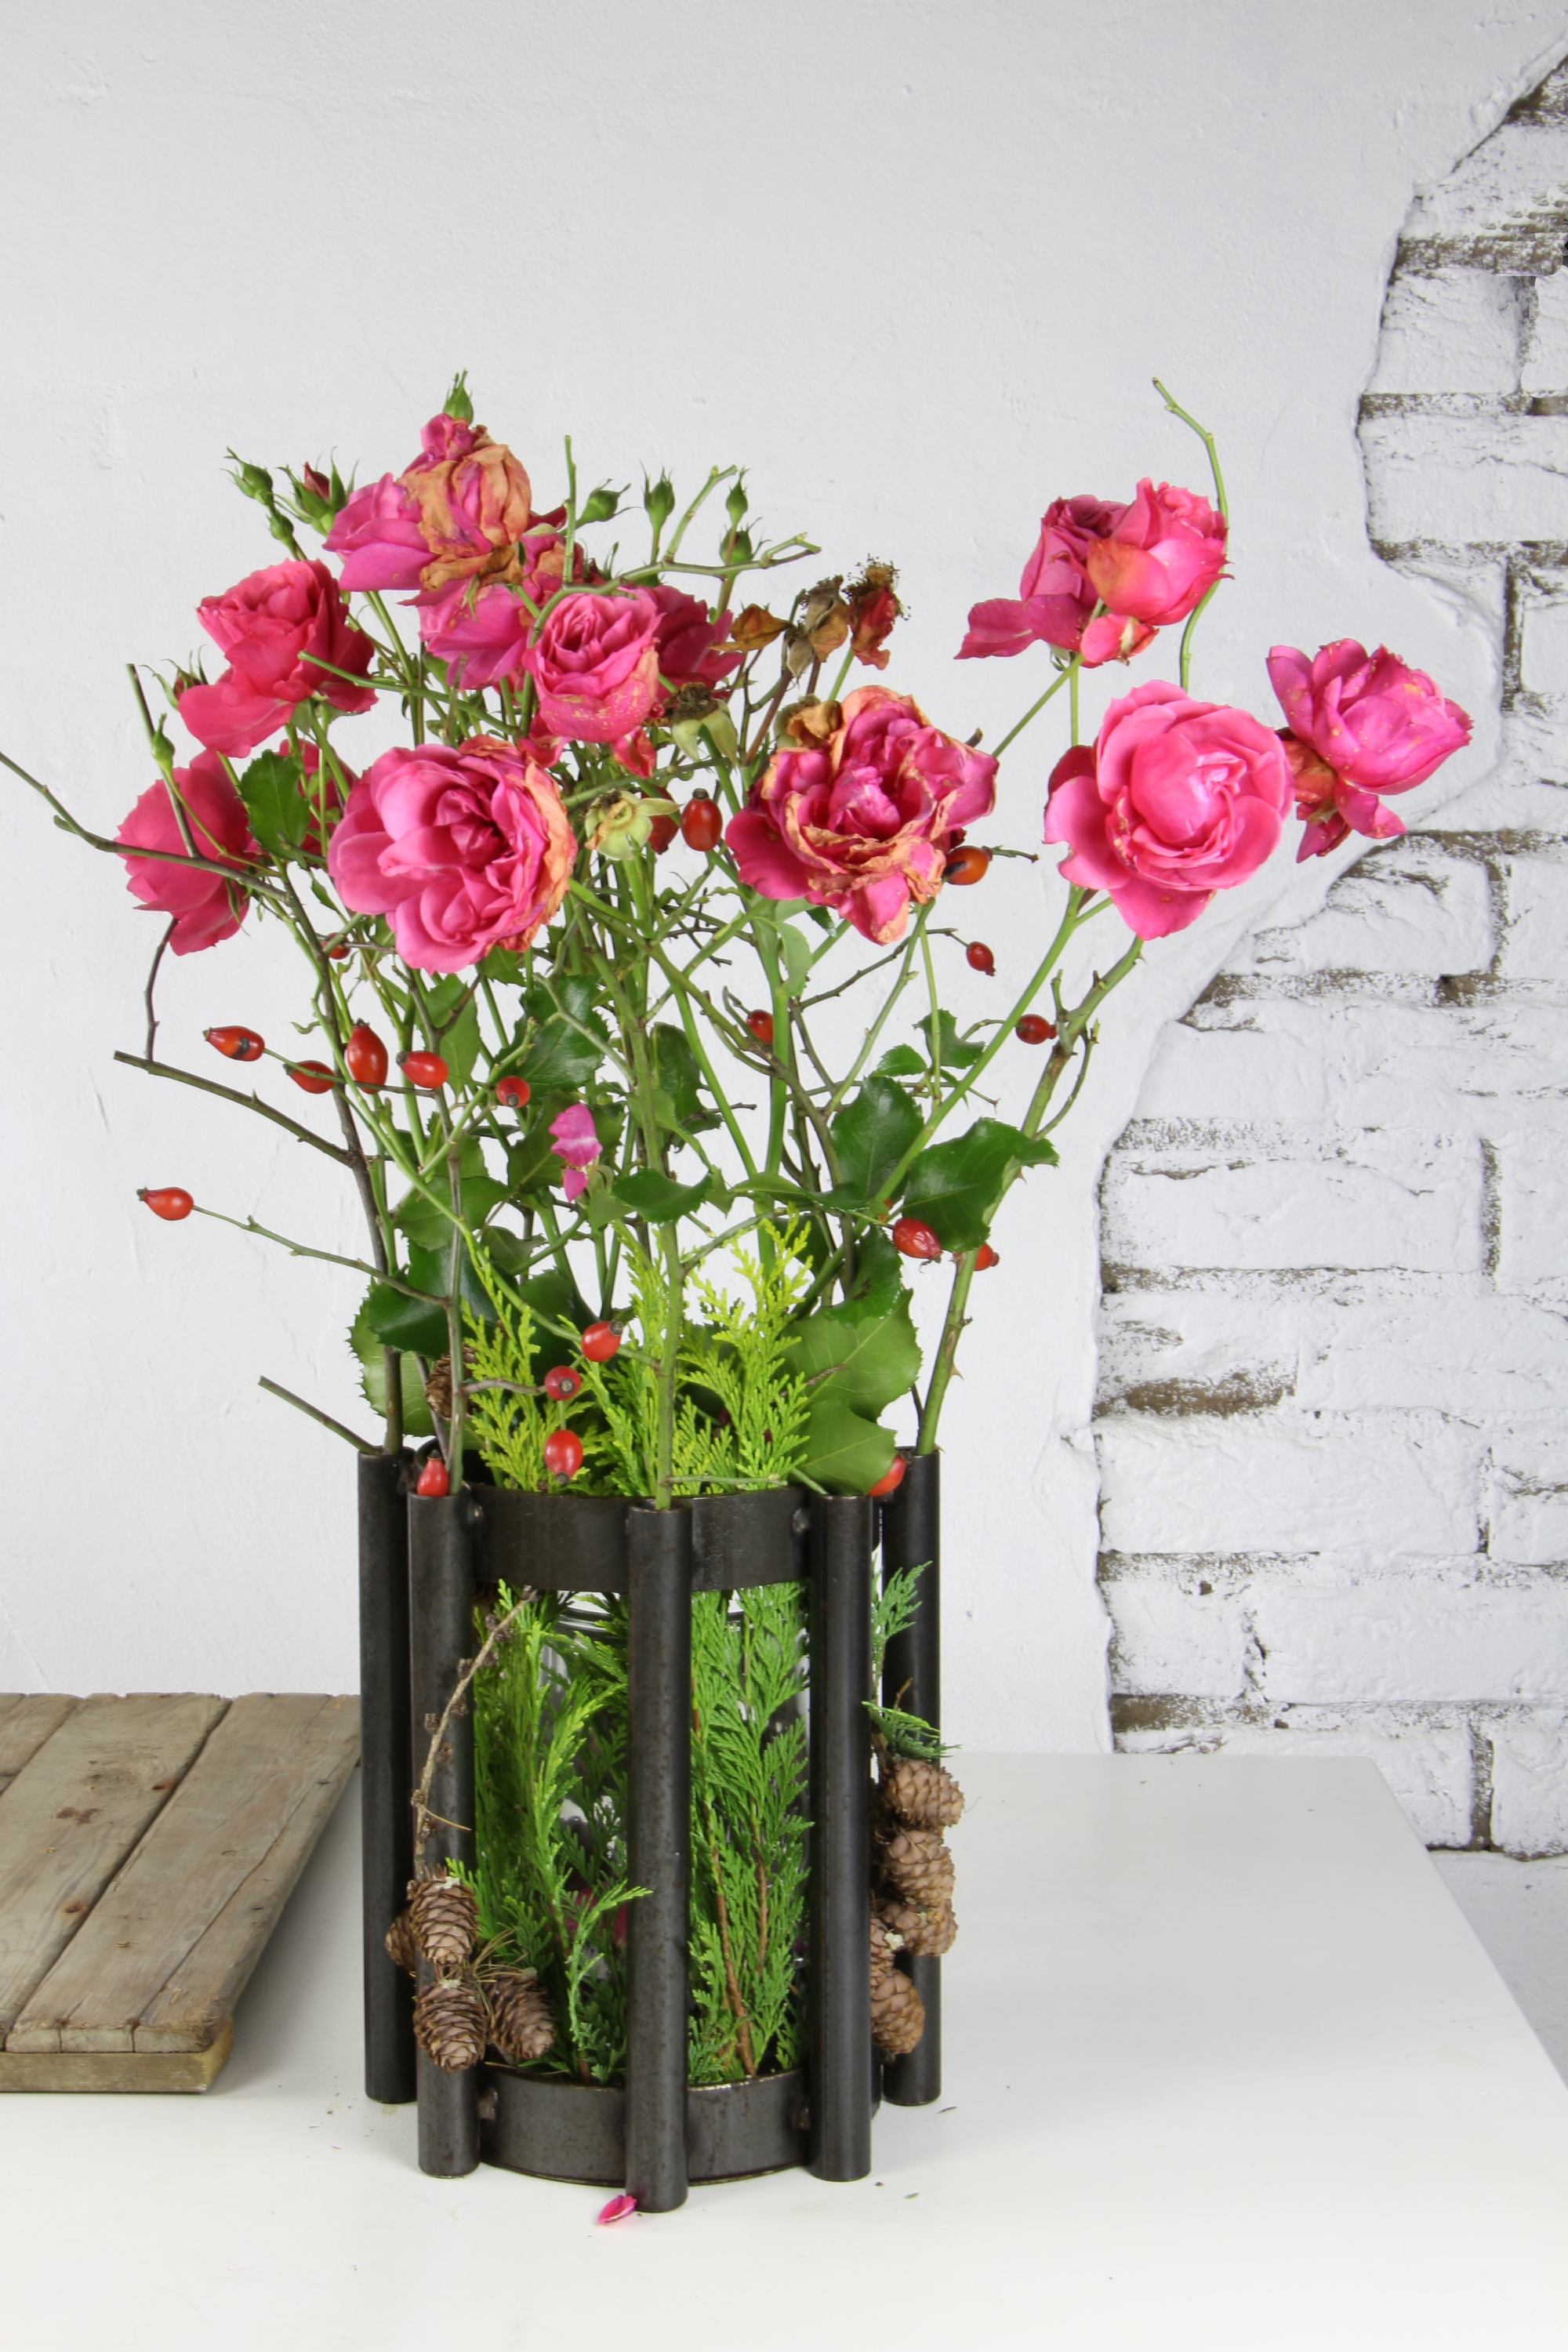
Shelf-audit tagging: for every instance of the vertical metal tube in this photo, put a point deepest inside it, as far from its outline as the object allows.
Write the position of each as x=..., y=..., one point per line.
x=840, y=1982
x=911, y=1678
x=441, y=1639
x=386, y=1826
x=659, y=1853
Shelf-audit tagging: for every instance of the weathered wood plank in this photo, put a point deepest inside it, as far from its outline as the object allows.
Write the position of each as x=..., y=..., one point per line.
x=26, y=1721
x=54, y=2069
x=160, y=1963
x=201, y=1995
x=73, y=1813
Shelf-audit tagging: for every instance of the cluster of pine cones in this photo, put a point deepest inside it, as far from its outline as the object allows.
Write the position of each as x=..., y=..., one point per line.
x=466, y=2009
x=911, y=1896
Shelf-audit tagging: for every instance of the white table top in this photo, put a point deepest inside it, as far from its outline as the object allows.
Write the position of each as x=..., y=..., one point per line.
x=1226, y=2067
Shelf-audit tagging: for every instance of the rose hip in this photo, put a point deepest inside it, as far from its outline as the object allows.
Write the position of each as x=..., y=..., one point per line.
x=600, y=1341
x=979, y=957
x=239, y=1045
x=562, y=1383
x=367, y=1057
x=513, y=1093
x=701, y=823
x=171, y=1202
x=892, y=1478
x=914, y=1238
x=433, y=1479
x=661, y=831
x=760, y=1026
x=563, y=1454
x=967, y=864
x=985, y=1257
x=314, y=1077
x=426, y=1070
x=1034, y=1029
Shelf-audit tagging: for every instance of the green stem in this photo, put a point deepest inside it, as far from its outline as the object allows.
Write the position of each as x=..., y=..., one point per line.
x=1036, y=707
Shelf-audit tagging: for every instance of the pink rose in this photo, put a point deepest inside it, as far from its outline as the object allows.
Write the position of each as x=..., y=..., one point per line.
x=1176, y=799
x=272, y=626
x=595, y=666
x=863, y=822
x=474, y=499
x=465, y=849
x=1329, y=808
x=484, y=636
x=377, y=534
x=688, y=639
x=576, y=1144
x=1055, y=599
x=206, y=907
x=1161, y=557
x=1370, y=720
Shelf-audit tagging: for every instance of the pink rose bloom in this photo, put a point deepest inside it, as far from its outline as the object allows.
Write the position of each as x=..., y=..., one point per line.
x=1176, y=799
x=688, y=639
x=377, y=534
x=484, y=636
x=1370, y=720
x=595, y=665
x=205, y=909
x=1055, y=600
x=270, y=627
x=864, y=822
x=464, y=849
x=1161, y=557
x=1329, y=809
x=474, y=499
x=576, y=1144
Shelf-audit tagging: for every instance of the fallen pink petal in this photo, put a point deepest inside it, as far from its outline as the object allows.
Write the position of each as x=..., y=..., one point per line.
x=619, y=2209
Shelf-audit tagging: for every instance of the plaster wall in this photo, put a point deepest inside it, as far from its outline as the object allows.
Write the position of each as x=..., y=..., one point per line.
x=915, y=265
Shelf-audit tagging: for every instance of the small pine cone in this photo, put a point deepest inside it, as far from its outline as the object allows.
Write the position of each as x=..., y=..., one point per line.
x=926, y=1934
x=444, y=1920
x=897, y=2012
x=449, y=2023
x=401, y=1948
x=439, y=1387
x=520, y=2025
x=882, y=1950
x=924, y=1796
x=918, y=1866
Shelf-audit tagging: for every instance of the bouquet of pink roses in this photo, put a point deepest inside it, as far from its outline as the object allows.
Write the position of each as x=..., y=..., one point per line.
x=640, y=828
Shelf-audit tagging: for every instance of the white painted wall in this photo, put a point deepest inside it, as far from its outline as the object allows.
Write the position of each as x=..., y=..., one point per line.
x=915, y=264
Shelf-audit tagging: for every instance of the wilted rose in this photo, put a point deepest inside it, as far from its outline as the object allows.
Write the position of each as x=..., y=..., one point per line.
x=475, y=502
x=690, y=640
x=1056, y=601
x=204, y=907
x=276, y=627
x=1176, y=799
x=864, y=822
x=1161, y=557
x=464, y=848
x=483, y=634
x=874, y=607
x=595, y=665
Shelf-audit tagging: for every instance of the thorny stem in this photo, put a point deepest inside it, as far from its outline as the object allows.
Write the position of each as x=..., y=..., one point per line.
x=360, y=1444
x=231, y=1094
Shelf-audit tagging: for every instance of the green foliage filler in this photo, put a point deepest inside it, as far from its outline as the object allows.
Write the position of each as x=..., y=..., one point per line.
x=550, y=1738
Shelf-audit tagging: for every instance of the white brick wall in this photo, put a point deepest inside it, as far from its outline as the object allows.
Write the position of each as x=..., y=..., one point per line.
x=1334, y=1324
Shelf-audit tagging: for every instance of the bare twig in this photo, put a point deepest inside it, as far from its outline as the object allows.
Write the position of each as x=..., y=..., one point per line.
x=422, y=1816
x=232, y=1093
x=360, y=1444
x=147, y=992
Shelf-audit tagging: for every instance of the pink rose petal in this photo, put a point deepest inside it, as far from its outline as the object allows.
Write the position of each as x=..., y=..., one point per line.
x=619, y=2209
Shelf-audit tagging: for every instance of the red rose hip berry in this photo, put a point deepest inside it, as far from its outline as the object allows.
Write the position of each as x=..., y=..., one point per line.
x=985, y=1257
x=892, y=1478
x=967, y=864
x=661, y=831
x=701, y=823
x=562, y=1383
x=1034, y=1029
x=979, y=957
x=171, y=1202
x=563, y=1454
x=367, y=1057
x=426, y=1070
x=513, y=1094
x=760, y=1026
x=433, y=1479
x=239, y=1045
x=914, y=1238
x=313, y=1077
x=600, y=1341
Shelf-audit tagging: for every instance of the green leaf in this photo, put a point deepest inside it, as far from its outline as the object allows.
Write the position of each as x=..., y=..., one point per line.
x=399, y=1321
x=872, y=1134
x=902, y=1062
x=878, y=1275
x=561, y=1056
x=417, y=1420
x=843, y=1451
x=646, y=1193
x=954, y=1187
x=677, y=1074
x=279, y=812
x=503, y=964
x=429, y=1226
x=953, y=1052
x=871, y=1359
x=458, y=1043
x=796, y=958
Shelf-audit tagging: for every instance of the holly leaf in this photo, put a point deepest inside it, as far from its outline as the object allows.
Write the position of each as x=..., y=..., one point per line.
x=871, y=1135
x=843, y=1451
x=954, y=1187
x=953, y=1052
x=648, y=1192
x=278, y=813
x=867, y=1360
x=367, y=1347
x=677, y=1074
x=878, y=1281
x=562, y=1056
x=399, y=1321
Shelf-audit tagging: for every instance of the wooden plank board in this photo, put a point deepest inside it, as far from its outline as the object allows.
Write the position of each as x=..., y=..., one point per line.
x=169, y=1948
x=74, y=1812
x=52, y=2070
x=26, y=1721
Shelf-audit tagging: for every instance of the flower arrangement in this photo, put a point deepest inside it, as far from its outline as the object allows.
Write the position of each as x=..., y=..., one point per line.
x=636, y=1222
